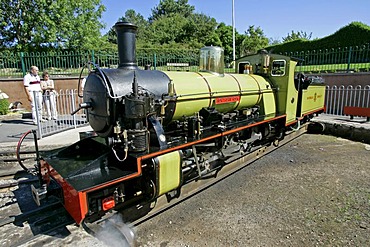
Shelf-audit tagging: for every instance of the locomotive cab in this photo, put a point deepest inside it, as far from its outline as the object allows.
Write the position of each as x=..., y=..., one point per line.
x=297, y=96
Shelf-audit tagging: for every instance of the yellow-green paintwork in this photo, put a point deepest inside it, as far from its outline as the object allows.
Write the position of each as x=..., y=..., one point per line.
x=197, y=90
x=267, y=104
x=169, y=166
x=252, y=89
x=192, y=91
x=222, y=86
x=313, y=98
x=288, y=94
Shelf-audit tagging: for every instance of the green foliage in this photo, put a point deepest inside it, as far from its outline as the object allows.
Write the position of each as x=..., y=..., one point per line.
x=65, y=25
x=168, y=29
x=132, y=17
x=225, y=34
x=296, y=36
x=4, y=106
x=171, y=7
x=202, y=30
x=44, y=24
x=173, y=24
x=168, y=54
x=354, y=34
x=254, y=40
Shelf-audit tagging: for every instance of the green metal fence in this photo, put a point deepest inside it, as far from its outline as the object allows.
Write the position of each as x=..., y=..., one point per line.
x=335, y=60
x=70, y=63
x=61, y=63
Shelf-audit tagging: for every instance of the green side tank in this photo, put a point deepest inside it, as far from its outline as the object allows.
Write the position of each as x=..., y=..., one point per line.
x=224, y=93
x=212, y=88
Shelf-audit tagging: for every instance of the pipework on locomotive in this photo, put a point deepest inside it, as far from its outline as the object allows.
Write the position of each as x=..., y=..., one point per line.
x=156, y=131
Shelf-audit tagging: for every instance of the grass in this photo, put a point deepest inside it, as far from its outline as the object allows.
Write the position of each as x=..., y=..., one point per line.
x=334, y=68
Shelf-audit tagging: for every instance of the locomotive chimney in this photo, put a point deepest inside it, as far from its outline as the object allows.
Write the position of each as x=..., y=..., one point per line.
x=126, y=39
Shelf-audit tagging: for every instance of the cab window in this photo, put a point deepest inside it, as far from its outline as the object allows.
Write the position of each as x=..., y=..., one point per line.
x=245, y=67
x=278, y=68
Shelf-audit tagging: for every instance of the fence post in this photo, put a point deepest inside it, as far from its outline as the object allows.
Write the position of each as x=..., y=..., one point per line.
x=21, y=55
x=93, y=56
x=155, y=61
x=38, y=116
x=349, y=59
x=73, y=109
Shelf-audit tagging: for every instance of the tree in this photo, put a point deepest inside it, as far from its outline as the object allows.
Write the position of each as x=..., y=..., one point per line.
x=273, y=41
x=297, y=35
x=170, y=7
x=168, y=29
x=225, y=34
x=254, y=40
x=201, y=31
x=134, y=18
x=138, y=20
x=43, y=24
x=175, y=23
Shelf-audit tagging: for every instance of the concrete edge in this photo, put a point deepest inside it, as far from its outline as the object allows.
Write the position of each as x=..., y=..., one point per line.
x=351, y=131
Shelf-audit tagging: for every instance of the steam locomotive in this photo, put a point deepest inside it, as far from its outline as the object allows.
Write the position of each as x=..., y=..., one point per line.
x=157, y=131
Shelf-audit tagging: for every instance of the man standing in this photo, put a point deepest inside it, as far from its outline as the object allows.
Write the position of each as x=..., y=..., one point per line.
x=32, y=87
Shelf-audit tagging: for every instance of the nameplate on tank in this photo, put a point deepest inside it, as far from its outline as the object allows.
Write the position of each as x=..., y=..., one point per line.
x=225, y=100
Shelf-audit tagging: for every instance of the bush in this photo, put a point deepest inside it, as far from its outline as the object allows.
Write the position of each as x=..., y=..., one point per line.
x=4, y=106
x=354, y=34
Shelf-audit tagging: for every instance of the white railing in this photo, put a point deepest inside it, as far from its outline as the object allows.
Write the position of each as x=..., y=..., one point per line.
x=339, y=97
x=67, y=101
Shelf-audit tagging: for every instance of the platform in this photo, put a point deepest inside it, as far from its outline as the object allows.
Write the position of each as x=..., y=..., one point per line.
x=356, y=129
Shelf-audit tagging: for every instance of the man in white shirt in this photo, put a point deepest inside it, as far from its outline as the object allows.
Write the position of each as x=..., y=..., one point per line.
x=31, y=82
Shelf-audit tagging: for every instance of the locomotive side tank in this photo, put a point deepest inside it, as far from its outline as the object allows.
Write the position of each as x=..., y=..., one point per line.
x=225, y=93
x=158, y=131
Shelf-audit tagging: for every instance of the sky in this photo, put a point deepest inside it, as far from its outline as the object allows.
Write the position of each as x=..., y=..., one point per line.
x=276, y=18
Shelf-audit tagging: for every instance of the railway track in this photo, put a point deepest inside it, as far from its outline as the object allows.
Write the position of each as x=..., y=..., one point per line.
x=18, y=212
x=9, y=164
x=11, y=173
x=50, y=218
x=15, y=197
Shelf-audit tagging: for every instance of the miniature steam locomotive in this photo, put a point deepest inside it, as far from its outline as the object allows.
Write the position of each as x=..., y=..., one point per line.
x=156, y=131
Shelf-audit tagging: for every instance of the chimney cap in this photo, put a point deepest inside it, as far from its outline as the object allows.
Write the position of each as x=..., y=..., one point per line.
x=125, y=24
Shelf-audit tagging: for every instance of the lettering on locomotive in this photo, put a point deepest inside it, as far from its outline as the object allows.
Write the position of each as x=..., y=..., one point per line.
x=230, y=99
